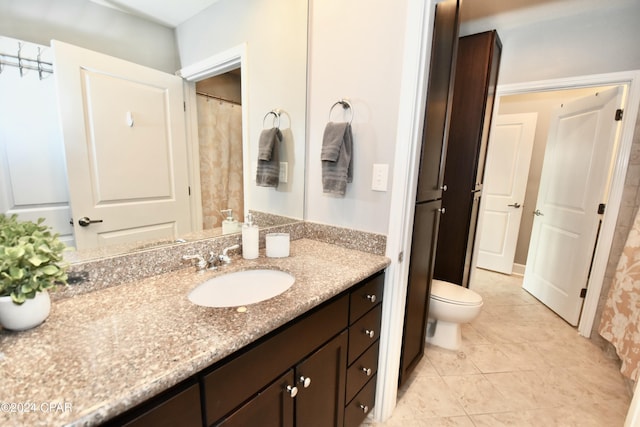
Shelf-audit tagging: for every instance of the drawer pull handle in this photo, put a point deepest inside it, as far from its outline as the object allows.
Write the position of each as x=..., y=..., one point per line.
x=364, y=408
x=371, y=297
x=367, y=371
x=370, y=333
x=292, y=390
x=305, y=381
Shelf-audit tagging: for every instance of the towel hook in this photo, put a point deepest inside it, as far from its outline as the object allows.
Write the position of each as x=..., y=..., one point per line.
x=345, y=105
x=276, y=118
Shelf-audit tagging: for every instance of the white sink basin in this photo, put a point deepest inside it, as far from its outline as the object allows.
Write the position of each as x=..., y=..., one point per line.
x=241, y=288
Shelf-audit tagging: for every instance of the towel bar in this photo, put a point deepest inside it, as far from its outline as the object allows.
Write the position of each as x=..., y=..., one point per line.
x=345, y=105
x=276, y=118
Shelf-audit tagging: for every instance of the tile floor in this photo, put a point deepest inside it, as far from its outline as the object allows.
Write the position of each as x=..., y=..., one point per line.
x=519, y=365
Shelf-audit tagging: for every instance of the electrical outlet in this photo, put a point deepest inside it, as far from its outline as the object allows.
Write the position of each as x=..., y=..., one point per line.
x=380, y=177
x=284, y=172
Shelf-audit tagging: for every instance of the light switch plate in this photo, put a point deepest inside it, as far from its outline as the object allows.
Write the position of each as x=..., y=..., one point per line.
x=380, y=177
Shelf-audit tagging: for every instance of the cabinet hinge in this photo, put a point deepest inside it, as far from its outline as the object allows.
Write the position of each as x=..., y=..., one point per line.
x=400, y=256
x=601, y=208
x=583, y=292
x=189, y=190
x=184, y=105
x=619, y=113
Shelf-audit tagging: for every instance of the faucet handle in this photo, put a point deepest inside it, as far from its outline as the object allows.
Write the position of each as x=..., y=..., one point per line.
x=200, y=265
x=225, y=251
x=225, y=254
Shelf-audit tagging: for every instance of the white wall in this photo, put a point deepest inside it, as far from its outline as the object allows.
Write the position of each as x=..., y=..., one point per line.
x=85, y=24
x=355, y=52
x=275, y=33
x=593, y=39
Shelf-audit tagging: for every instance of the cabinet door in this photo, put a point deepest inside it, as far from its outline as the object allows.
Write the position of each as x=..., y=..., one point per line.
x=273, y=407
x=423, y=246
x=321, y=382
x=439, y=98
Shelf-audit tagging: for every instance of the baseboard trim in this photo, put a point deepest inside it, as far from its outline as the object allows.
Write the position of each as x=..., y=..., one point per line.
x=518, y=269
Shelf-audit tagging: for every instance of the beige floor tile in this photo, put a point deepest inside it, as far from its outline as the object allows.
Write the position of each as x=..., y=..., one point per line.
x=447, y=362
x=477, y=395
x=491, y=358
x=435, y=399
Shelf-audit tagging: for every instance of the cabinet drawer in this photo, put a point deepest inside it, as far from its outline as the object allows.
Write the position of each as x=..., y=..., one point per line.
x=365, y=297
x=364, y=333
x=361, y=405
x=362, y=370
x=244, y=375
x=183, y=409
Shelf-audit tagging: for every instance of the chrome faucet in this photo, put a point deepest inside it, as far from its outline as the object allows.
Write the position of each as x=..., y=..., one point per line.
x=214, y=260
x=201, y=265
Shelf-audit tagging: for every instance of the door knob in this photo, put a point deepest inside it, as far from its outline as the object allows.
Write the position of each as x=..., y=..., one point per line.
x=538, y=213
x=515, y=205
x=86, y=221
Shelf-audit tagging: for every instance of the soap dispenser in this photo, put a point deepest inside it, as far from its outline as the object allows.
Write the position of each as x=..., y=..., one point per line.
x=250, y=237
x=229, y=225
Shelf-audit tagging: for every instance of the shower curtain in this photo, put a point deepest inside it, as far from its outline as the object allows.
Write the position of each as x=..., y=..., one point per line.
x=220, y=142
x=620, y=324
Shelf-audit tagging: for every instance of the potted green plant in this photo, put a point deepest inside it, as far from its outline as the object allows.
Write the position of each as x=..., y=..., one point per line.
x=31, y=262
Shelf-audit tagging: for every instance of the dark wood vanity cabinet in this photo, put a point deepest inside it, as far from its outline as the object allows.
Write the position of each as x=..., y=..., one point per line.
x=317, y=370
x=365, y=315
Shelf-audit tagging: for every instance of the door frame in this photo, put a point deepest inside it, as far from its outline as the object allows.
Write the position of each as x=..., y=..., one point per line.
x=631, y=103
x=220, y=63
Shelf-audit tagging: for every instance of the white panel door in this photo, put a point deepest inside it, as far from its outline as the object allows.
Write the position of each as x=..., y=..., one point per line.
x=505, y=184
x=575, y=175
x=33, y=178
x=124, y=133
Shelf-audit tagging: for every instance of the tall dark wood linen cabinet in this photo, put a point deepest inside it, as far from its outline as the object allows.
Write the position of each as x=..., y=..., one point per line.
x=430, y=184
x=477, y=67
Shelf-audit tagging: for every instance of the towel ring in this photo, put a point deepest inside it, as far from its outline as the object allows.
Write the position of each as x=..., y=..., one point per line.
x=276, y=118
x=345, y=105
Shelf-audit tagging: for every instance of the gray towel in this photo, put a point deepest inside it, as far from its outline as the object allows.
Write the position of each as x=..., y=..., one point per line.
x=337, y=162
x=268, y=172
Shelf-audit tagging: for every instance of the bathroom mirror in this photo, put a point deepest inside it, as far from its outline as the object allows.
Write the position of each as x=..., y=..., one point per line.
x=269, y=86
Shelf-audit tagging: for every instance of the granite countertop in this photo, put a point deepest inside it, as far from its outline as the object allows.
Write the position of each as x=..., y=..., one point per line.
x=103, y=352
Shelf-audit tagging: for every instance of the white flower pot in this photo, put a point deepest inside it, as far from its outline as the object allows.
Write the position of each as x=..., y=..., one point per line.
x=19, y=317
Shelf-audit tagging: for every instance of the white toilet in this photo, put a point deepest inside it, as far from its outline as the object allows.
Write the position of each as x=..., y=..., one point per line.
x=450, y=306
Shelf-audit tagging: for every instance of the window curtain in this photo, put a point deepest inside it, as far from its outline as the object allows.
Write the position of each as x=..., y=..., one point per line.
x=220, y=144
x=620, y=324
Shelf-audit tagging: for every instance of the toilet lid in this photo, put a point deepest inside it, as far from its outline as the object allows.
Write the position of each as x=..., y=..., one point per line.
x=454, y=294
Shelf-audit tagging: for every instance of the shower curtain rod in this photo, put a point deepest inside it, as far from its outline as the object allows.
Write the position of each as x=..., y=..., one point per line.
x=219, y=98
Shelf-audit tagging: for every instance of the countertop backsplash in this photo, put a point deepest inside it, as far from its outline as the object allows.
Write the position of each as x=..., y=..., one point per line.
x=94, y=274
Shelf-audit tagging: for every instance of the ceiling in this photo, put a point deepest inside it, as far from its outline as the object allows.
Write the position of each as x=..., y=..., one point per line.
x=170, y=13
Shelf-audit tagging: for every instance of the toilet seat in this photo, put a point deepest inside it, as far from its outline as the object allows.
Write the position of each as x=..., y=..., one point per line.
x=454, y=294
